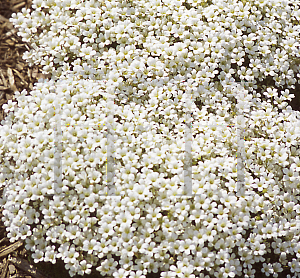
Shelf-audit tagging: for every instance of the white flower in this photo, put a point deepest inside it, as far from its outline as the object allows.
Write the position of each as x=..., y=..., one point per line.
x=84, y=268
x=50, y=255
x=121, y=273
x=147, y=58
x=38, y=256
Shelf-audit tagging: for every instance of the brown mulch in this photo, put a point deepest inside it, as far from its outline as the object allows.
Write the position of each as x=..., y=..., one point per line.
x=15, y=74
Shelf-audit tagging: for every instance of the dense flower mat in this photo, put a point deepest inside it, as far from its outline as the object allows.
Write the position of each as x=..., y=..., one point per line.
x=178, y=89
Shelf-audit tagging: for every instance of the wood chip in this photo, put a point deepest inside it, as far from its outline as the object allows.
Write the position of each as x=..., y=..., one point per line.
x=19, y=1
x=4, y=270
x=9, y=249
x=18, y=6
x=3, y=79
x=11, y=79
x=29, y=3
x=2, y=18
x=27, y=47
x=29, y=71
x=27, y=267
x=43, y=76
x=19, y=45
x=9, y=96
x=11, y=269
x=10, y=33
x=34, y=72
x=10, y=42
x=20, y=66
x=20, y=76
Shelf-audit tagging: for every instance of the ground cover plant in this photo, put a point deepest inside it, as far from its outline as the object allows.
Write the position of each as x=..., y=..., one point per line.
x=182, y=89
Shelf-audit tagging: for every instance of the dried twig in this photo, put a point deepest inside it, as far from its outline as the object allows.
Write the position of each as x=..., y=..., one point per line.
x=3, y=239
x=9, y=249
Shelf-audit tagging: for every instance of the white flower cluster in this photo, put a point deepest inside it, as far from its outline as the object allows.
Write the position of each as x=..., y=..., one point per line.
x=143, y=70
